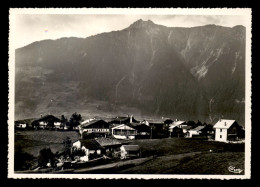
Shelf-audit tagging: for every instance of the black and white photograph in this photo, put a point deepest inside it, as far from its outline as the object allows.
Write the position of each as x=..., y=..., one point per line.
x=129, y=93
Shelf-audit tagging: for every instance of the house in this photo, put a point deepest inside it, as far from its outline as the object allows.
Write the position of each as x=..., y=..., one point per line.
x=45, y=122
x=157, y=126
x=176, y=128
x=109, y=144
x=130, y=151
x=20, y=124
x=143, y=129
x=94, y=128
x=24, y=124
x=91, y=148
x=227, y=130
x=124, y=131
x=195, y=131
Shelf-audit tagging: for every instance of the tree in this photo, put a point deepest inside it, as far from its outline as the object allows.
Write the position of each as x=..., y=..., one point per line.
x=199, y=123
x=63, y=120
x=46, y=156
x=22, y=160
x=191, y=123
x=75, y=120
x=168, y=121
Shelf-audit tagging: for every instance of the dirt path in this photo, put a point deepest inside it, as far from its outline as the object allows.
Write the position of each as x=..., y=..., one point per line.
x=134, y=164
x=113, y=166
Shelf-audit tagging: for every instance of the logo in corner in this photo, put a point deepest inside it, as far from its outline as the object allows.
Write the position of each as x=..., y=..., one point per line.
x=233, y=169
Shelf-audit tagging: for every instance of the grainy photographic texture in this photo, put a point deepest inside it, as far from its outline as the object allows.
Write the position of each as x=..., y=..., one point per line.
x=136, y=93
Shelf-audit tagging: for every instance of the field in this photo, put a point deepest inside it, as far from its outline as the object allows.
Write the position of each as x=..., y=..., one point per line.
x=32, y=142
x=159, y=156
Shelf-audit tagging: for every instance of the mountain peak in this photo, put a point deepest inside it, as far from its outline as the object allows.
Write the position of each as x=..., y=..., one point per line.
x=141, y=24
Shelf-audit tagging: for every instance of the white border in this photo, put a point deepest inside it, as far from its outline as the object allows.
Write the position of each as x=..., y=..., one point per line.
x=246, y=12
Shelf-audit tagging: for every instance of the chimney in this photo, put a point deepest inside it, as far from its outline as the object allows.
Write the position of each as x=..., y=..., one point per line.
x=225, y=123
x=131, y=119
x=41, y=115
x=176, y=119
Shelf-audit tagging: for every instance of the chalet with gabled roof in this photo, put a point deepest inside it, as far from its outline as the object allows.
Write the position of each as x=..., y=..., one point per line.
x=124, y=131
x=94, y=128
x=227, y=130
x=48, y=121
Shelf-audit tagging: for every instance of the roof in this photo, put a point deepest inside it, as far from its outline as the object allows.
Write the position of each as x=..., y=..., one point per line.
x=127, y=125
x=120, y=120
x=48, y=117
x=131, y=147
x=90, y=144
x=175, y=124
x=178, y=122
x=198, y=128
x=187, y=127
x=224, y=123
x=154, y=120
x=86, y=124
x=107, y=141
x=143, y=128
x=25, y=120
x=86, y=121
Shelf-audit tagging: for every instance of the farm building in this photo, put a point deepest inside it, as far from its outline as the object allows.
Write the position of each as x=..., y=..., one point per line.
x=109, y=144
x=94, y=128
x=48, y=121
x=227, y=130
x=124, y=132
x=130, y=151
x=90, y=147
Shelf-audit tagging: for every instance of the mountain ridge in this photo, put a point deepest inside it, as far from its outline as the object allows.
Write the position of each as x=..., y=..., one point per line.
x=140, y=66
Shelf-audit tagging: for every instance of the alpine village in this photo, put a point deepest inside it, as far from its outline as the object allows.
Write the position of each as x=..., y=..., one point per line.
x=118, y=145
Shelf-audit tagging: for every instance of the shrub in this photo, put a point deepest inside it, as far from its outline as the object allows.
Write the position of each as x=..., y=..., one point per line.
x=77, y=152
x=46, y=156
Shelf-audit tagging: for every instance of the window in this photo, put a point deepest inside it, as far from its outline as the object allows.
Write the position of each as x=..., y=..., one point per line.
x=220, y=130
x=220, y=136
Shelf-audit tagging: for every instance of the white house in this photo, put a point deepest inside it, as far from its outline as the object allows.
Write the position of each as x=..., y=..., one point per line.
x=178, y=124
x=21, y=125
x=194, y=132
x=124, y=132
x=89, y=146
x=226, y=130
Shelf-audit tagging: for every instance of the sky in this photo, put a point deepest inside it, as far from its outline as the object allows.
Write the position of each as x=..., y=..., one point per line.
x=35, y=27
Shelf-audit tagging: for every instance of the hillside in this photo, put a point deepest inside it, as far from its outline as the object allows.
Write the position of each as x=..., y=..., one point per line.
x=145, y=69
